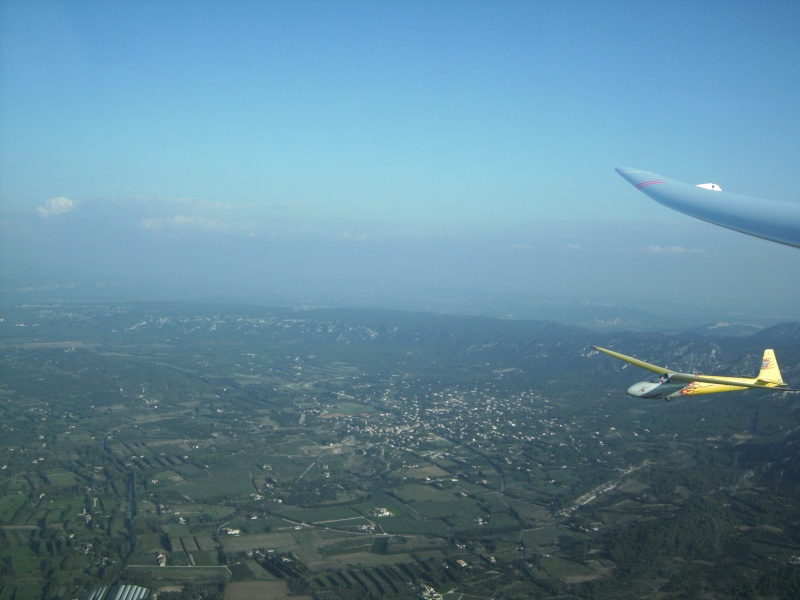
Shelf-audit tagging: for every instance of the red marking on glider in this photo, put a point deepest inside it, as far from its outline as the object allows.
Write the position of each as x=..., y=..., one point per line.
x=646, y=183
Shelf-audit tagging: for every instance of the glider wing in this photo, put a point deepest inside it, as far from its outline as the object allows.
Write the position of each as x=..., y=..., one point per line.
x=768, y=219
x=635, y=361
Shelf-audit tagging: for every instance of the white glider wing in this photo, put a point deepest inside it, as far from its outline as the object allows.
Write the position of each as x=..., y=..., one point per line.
x=768, y=219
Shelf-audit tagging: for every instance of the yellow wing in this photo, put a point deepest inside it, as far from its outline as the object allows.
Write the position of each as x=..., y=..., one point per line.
x=636, y=361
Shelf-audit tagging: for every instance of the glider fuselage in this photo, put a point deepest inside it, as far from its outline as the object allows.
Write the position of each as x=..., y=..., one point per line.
x=655, y=388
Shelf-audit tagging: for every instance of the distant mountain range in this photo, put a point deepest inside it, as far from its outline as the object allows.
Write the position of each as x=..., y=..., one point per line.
x=598, y=314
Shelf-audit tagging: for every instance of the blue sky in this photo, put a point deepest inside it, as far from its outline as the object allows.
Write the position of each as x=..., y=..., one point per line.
x=319, y=145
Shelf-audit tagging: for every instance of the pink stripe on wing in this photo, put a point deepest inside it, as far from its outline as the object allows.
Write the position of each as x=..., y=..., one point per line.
x=646, y=183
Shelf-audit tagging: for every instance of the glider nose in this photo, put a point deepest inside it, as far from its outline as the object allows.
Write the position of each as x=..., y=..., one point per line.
x=639, y=389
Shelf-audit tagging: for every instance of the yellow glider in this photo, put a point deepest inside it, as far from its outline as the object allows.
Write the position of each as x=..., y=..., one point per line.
x=671, y=384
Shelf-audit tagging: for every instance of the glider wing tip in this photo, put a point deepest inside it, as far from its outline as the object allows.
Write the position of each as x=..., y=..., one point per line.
x=637, y=177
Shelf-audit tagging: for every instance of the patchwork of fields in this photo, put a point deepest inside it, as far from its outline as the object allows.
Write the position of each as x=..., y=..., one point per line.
x=323, y=456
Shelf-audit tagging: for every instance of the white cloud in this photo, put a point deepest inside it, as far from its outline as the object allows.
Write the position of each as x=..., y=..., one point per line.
x=56, y=206
x=184, y=222
x=673, y=250
x=194, y=203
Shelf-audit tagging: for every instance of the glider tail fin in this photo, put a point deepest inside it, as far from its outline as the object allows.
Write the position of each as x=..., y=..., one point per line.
x=770, y=373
